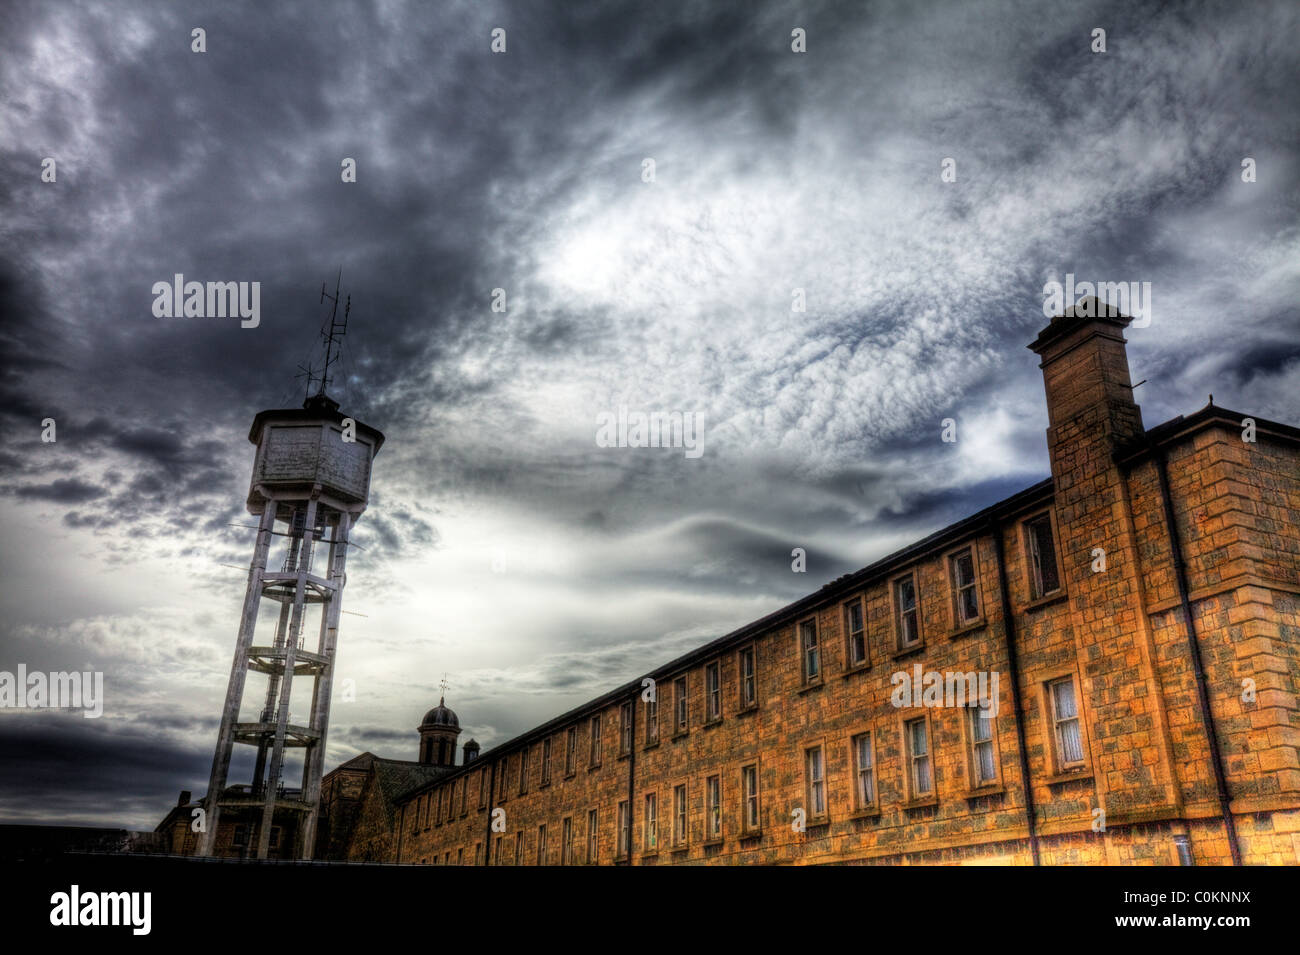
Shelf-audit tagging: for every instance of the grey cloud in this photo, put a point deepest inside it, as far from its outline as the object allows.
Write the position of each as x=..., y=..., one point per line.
x=61, y=490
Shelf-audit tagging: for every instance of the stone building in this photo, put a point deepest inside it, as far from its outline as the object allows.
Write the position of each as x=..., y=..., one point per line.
x=1134, y=619
x=235, y=831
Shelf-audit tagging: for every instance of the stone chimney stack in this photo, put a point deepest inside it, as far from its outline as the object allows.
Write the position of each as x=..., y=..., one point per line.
x=1085, y=372
x=1091, y=413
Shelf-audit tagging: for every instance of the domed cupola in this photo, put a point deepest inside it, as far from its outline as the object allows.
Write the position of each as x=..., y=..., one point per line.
x=440, y=715
x=438, y=732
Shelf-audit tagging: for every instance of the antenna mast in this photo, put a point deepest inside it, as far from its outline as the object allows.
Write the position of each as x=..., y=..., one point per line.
x=337, y=329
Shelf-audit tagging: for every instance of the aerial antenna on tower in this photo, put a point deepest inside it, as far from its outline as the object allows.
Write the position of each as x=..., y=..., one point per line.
x=308, y=372
x=337, y=329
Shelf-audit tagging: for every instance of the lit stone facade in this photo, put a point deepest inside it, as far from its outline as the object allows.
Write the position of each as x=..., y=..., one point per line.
x=1141, y=609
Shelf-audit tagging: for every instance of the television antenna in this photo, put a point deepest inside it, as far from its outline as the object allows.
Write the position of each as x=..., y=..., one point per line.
x=337, y=329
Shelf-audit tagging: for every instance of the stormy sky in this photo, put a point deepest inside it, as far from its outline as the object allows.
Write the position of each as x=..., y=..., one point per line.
x=502, y=545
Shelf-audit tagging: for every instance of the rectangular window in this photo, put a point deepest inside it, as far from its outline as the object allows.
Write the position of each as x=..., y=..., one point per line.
x=856, y=633
x=909, y=620
x=713, y=690
x=625, y=729
x=679, y=816
x=541, y=844
x=815, y=773
x=595, y=741
x=1042, y=556
x=749, y=788
x=679, y=702
x=460, y=856
x=478, y=853
x=504, y=788
x=500, y=842
x=811, y=653
x=624, y=821
x=464, y=794
x=591, y=837
x=1065, y=724
x=482, y=792
x=652, y=719
x=983, y=759
x=864, y=770
x=571, y=751
x=713, y=789
x=546, y=761
x=748, y=678
x=918, y=751
x=519, y=849
x=651, y=830
x=966, y=603
x=566, y=841
x=523, y=770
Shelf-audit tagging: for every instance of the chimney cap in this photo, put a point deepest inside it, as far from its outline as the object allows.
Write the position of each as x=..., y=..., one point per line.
x=1089, y=309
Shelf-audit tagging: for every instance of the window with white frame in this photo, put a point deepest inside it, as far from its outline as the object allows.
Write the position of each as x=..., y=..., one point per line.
x=652, y=717
x=650, y=832
x=1040, y=542
x=855, y=633
x=713, y=690
x=679, y=702
x=749, y=790
x=984, y=764
x=918, y=752
x=713, y=796
x=907, y=611
x=864, y=770
x=815, y=774
x=1065, y=723
x=748, y=678
x=965, y=594
x=625, y=729
x=624, y=828
x=810, y=651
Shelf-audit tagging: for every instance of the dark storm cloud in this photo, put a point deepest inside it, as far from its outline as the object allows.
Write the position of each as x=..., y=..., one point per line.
x=62, y=490
x=132, y=772
x=388, y=740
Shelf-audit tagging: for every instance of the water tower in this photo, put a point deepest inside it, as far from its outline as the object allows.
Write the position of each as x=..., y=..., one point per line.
x=311, y=481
